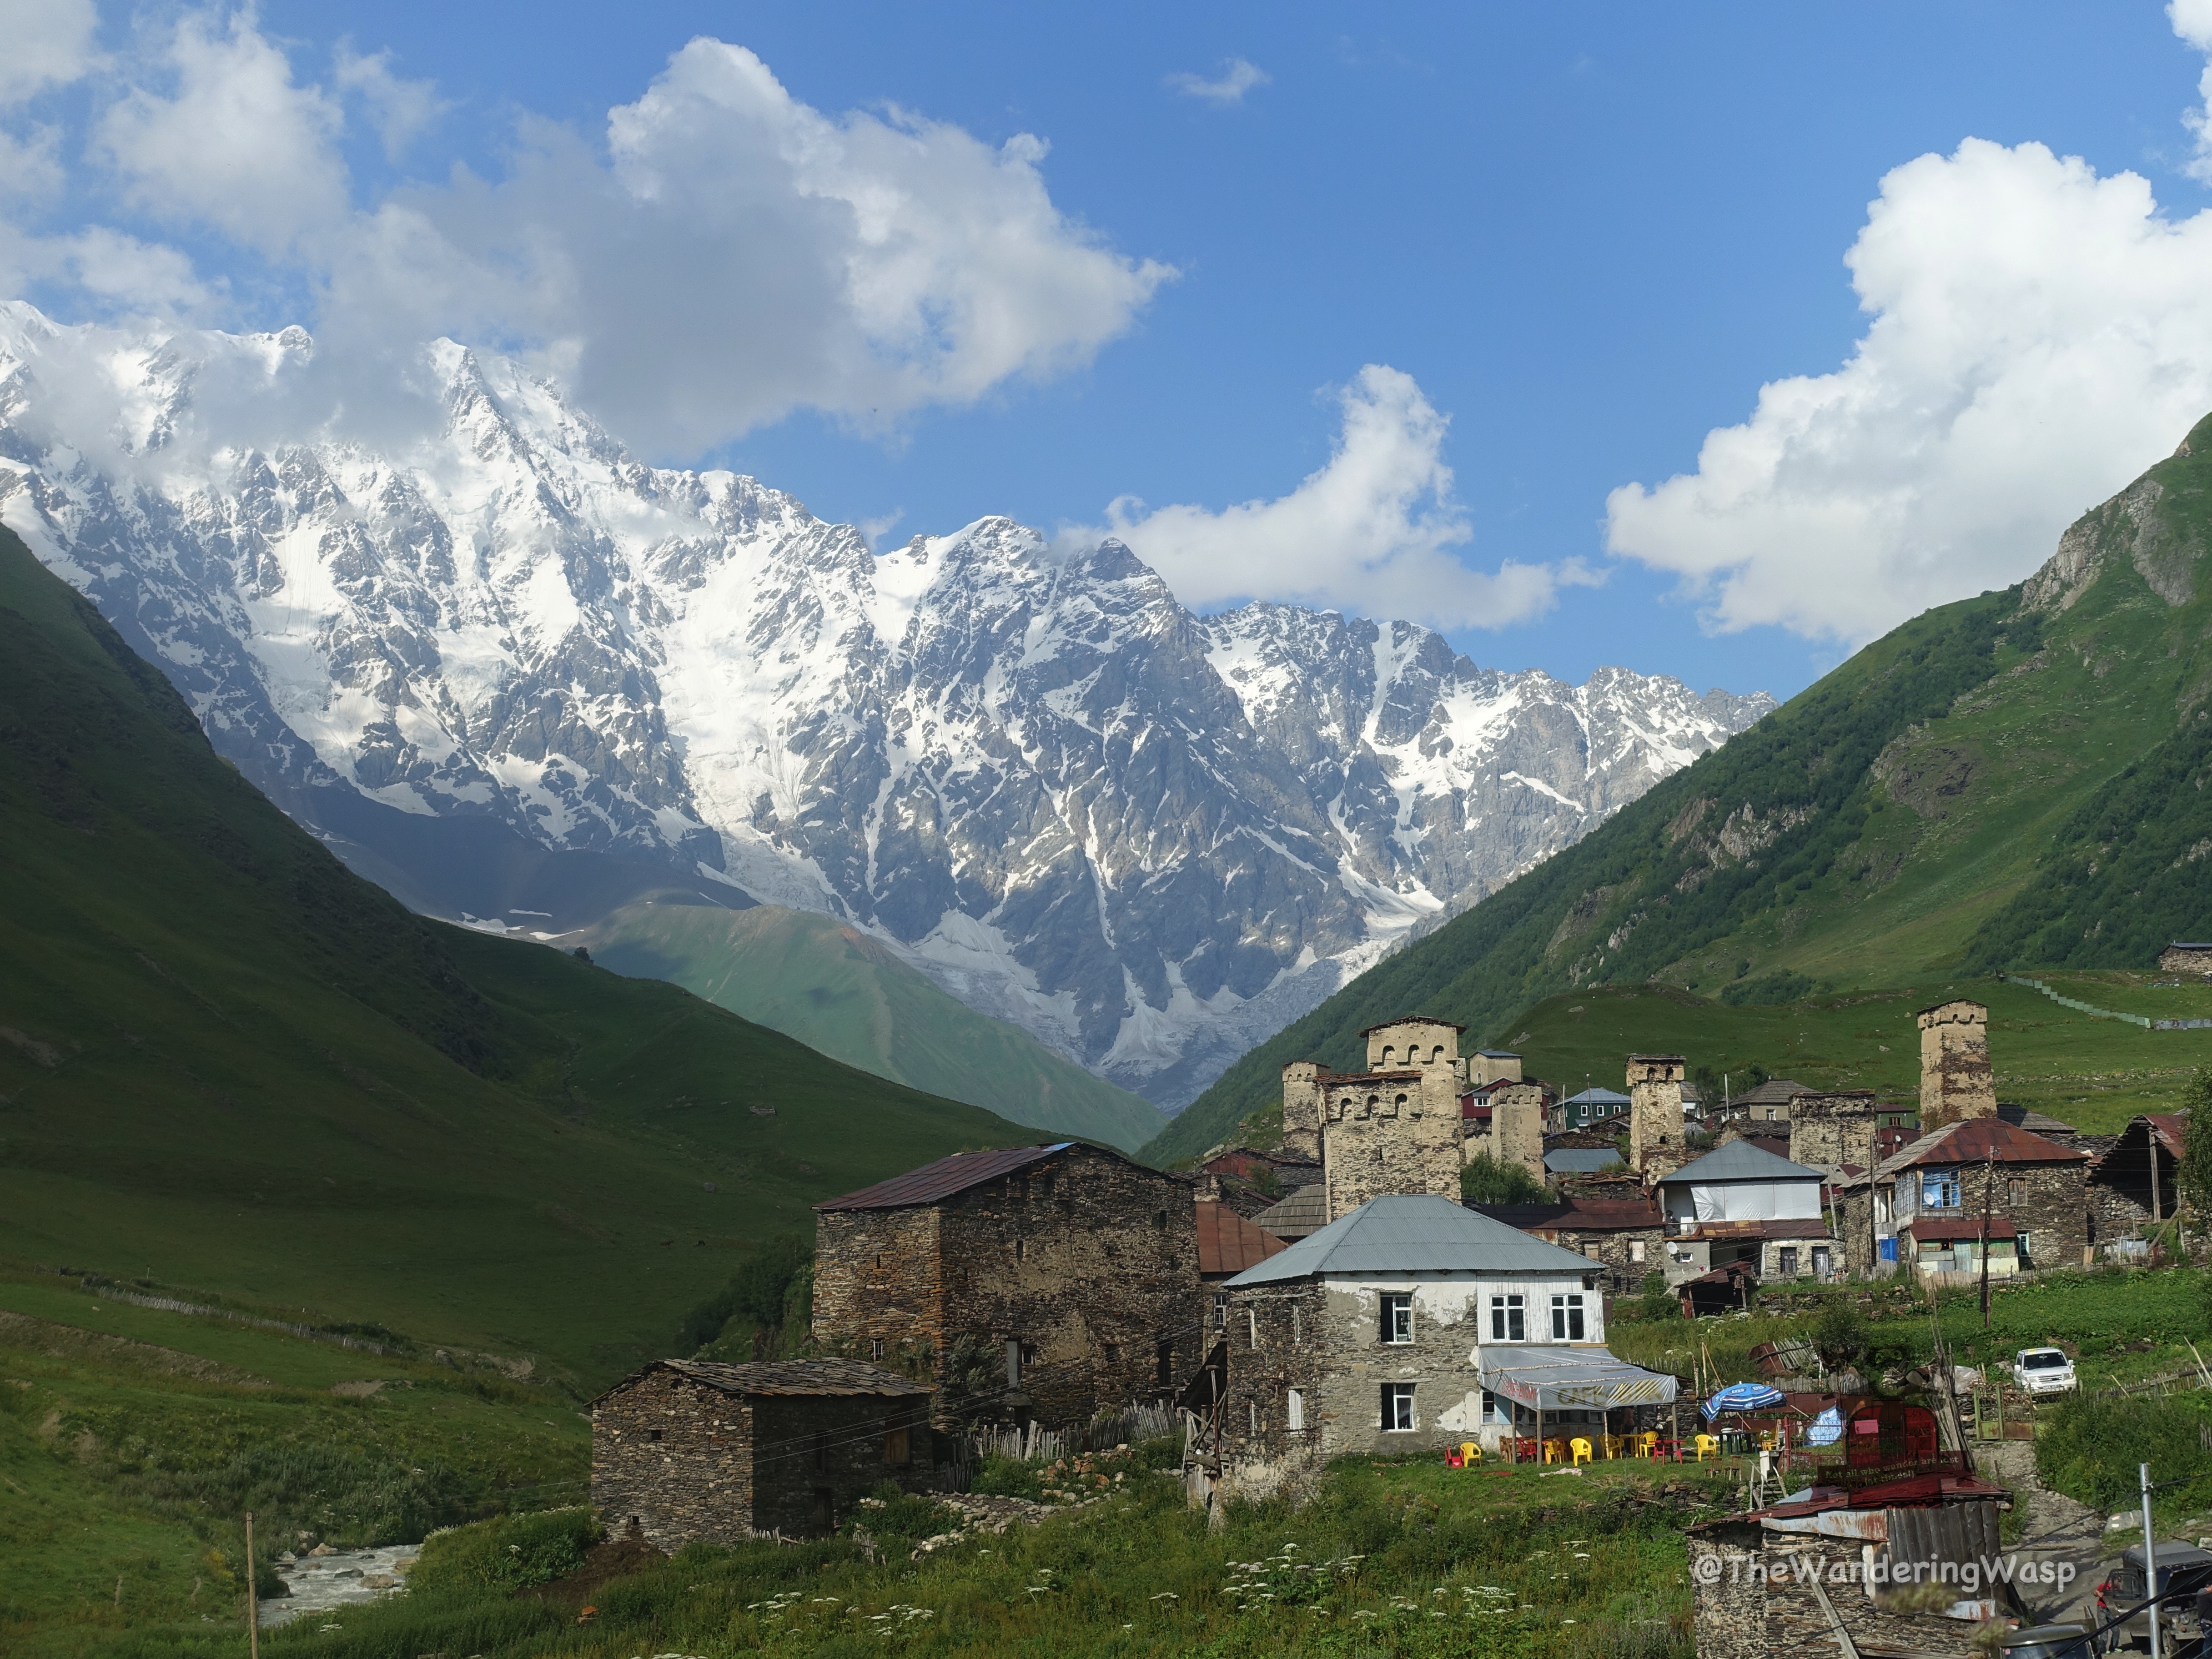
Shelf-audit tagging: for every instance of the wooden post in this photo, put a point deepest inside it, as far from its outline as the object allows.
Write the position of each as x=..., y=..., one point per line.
x=1989, y=1183
x=252, y=1600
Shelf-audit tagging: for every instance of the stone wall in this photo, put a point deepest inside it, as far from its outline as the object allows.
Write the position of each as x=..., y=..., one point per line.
x=1088, y=1262
x=1828, y=1130
x=1516, y=1127
x=688, y=1461
x=1411, y=1043
x=1625, y=1256
x=1955, y=1079
x=1302, y=1106
x=674, y=1455
x=2183, y=959
x=1390, y=1132
x=1655, y=1115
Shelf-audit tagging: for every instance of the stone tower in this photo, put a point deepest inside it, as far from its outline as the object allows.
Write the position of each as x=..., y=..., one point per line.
x=1517, y=1127
x=1655, y=1115
x=1955, y=1079
x=1302, y=1089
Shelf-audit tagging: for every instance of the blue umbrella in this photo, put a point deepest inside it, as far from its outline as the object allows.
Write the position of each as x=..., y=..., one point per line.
x=1742, y=1397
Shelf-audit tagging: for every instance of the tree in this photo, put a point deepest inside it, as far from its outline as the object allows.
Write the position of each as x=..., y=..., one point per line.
x=1487, y=1180
x=2194, y=1172
x=1839, y=1333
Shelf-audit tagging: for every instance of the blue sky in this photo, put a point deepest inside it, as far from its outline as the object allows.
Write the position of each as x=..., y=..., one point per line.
x=1586, y=235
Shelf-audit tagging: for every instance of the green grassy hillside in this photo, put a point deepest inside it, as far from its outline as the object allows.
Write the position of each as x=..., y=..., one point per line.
x=839, y=991
x=1992, y=785
x=226, y=1061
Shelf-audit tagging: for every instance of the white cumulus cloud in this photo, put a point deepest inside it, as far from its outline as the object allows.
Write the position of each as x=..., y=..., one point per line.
x=403, y=111
x=2192, y=21
x=226, y=137
x=2039, y=335
x=1373, y=531
x=44, y=43
x=1236, y=78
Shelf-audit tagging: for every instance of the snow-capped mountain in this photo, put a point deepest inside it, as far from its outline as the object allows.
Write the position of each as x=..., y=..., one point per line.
x=1149, y=837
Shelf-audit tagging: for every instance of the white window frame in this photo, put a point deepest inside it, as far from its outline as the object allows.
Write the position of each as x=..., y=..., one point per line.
x=1397, y=1322
x=1567, y=1312
x=1294, y=1411
x=1398, y=1416
x=1509, y=1317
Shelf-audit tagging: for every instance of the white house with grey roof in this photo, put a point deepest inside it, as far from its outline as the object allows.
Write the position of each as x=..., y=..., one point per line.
x=1412, y=1323
x=1743, y=1204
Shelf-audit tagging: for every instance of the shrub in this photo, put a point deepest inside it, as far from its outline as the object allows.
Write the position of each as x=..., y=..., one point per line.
x=2091, y=1444
x=510, y=1552
x=1008, y=1477
x=891, y=1514
x=1839, y=1333
x=1487, y=1180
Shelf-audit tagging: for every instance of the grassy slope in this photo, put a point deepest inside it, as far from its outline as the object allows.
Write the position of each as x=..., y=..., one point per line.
x=226, y=1061
x=1910, y=812
x=843, y=993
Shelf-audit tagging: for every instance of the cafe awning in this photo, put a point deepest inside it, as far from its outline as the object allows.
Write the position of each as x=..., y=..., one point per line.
x=1571, y=1379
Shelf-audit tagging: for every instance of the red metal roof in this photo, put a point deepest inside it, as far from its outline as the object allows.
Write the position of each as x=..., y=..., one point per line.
x=1228, y=1243
x=1979, y=1139
x=1932, y=1232
x=940, y=1180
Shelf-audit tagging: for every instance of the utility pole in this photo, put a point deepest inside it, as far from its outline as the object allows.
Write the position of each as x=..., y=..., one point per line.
x=2150, y=1559
x=253, y=1601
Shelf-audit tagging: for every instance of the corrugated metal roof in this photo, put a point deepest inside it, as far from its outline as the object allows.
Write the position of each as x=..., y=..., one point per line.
x=1405, y=1233
x=1598, y=1097
x=1740, y=1161
x=844, y=1377
x=1978, y=1140
x=1305, y=1210
x=1228, y=1243
x=944, y=1178
x=1936, y=1231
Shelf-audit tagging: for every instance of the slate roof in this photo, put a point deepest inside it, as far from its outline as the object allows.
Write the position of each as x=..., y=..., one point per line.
x=1775, y=1091
x=1305, y=1210
x=1228, y=1243
x=2034, y=1123
x=948, y=1175
x=1973, y=1140
x=1580, y=1160
x=1740, y=1161
x=825, y=1377
x=1402, y=1233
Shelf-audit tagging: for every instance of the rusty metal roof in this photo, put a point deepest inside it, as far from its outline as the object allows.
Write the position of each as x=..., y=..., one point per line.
x=940, y=1180
x=1228, y=1243
x=842, y=1377
x=1935, y=1232
x=1980, y=1140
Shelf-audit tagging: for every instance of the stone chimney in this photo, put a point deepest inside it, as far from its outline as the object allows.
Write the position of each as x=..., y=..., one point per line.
x=1955, y=1080
x=1655, y=1115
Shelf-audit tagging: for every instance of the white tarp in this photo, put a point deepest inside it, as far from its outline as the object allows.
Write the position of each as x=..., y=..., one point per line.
x=1571, y=1379
x=1756, y=1200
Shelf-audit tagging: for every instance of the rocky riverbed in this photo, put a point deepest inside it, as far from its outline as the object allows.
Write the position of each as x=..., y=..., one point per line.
x=328, y=1581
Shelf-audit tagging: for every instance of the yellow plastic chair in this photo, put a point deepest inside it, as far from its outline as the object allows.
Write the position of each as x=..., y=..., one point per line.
x=1581, y=1449
x=1647, y=1444
x=1612, y=1445
x=1706, y=1444
x=1470, y=1452
x=1554, y=1449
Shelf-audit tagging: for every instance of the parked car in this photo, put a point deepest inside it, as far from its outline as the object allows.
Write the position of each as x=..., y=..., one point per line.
x=2181, y=1568
x=2043, y=1371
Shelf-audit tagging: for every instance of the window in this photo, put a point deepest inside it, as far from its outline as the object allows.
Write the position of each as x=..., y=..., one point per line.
x=2015, y=1192
x=1397, y=1409
x=897, y=1447
x=653, y=1434
x=1489, y=1409
x=1398, y=1318
x=2020, y=1245
x=1294, y=1411
x=1786, y=1261
x=1251, y=1328
x=1388, y=1053
x=1021, y=1249
x=1252, y=1415
x=1508, y=1319
x=1163, y=1365
x=1014, y=1364
x=1566, y=1318
x=1221, y=1310
x=1939, y=1189
x=1636, y=1250
x=1594, y=1252
x=1297, y=1328
x=1113, y=1353
x=876, y=1349
x=1770, y=1114
x=1160, y=1219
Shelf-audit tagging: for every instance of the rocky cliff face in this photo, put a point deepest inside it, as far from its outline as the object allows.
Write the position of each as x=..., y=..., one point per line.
x=1149, y=837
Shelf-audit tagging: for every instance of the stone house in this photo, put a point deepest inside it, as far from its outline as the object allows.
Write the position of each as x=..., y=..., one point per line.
x=1981, y=1165
x=1829, y=1131
x=1655, y=1113
x=1626, y=1237
x=1769, y=1101
x=2133, y=1182
x=1412, y=1323
x=689, y=1449
x=1227, y=1245
x=2183, y=957
x=1743, y=1203
x=1036, y=1283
